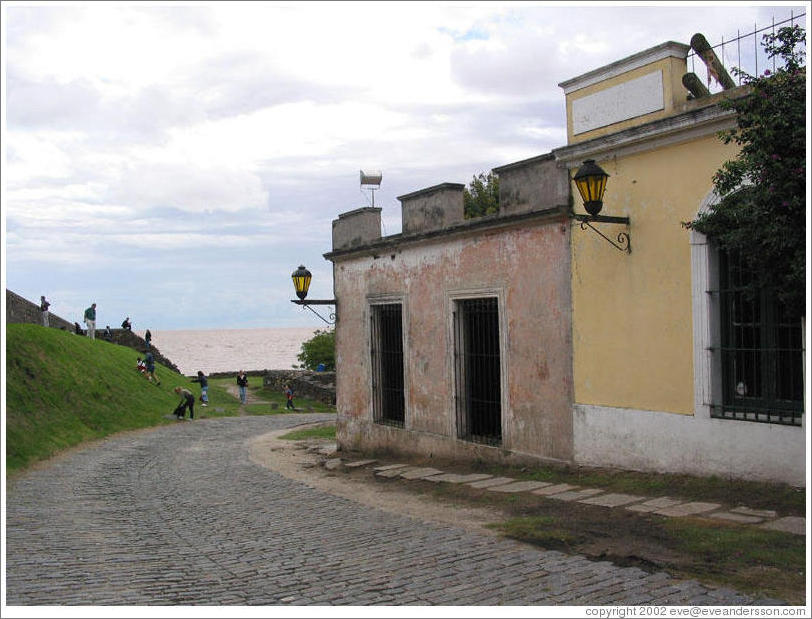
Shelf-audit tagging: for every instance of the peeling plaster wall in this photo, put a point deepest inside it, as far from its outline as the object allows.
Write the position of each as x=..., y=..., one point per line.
x=527, y=267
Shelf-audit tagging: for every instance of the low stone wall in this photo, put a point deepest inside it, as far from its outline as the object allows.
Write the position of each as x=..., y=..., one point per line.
x=22, y=311
x=319, y=386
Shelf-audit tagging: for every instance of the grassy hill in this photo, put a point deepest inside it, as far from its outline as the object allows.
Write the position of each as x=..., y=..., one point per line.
x=62, y=389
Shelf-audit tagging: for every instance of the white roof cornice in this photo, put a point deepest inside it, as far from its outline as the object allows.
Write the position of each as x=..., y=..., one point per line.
x=670, y=49
x=657, y=134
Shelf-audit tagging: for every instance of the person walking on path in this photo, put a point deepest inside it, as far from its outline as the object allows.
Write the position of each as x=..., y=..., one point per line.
x=242, y=383
x=43, y=306
x=127, y=325
x=289, y=396
x=149, y=361
x=204, y=387
x=187, y=400
x=90, y=321
x=148, y=338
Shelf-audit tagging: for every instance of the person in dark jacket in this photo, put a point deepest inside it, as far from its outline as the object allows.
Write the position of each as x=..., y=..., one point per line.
x=148, y=338
x=187, y=400
x=204, y=387
x=149, y=361
x=242, y=383
x=43, y=307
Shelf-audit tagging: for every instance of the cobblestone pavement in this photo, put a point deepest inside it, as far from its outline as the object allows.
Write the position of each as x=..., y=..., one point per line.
x=179, y=515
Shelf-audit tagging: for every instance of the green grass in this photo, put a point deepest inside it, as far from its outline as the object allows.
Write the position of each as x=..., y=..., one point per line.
x=63, y=390
x=318, y=432
x=545, y=531
x=269, y=397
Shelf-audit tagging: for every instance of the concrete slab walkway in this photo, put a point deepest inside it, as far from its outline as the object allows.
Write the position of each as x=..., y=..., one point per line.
x=661, y=506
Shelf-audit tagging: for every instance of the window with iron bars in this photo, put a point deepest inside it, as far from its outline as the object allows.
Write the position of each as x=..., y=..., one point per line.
x=388, y=401
x=762, y=357
x=478, y=371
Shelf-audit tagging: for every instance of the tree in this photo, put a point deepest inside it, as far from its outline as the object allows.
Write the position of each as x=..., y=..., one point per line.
x=481, y=197
x=762, y=211
x=320, y=349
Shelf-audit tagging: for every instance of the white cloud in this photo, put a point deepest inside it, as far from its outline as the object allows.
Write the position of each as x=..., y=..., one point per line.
x=226, y=137
x=173, y=185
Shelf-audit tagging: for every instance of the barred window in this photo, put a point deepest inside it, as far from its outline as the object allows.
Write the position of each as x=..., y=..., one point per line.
x=388, y=402
x=761, y=346
x=477, y=371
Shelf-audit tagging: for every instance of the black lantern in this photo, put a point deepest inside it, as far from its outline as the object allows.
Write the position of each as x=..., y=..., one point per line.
x=591, y=182
x=301, y=281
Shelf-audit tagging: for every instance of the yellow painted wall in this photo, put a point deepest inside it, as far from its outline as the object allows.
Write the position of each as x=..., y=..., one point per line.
x=632, y=325
x=673, y=97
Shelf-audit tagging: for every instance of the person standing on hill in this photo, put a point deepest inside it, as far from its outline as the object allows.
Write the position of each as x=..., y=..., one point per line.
x=187, y=400
x=43, y=306
x=149, y=361
x=242, y=383
x=90, y=321
x=204, y=387
x=148, y=338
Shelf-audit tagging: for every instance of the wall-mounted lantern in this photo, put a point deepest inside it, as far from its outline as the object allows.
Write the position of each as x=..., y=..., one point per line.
x=301, y=284
x=590, y=179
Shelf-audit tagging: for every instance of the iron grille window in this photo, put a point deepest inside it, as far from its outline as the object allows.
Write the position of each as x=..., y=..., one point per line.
x=477, y=369
x=388, y=403
x=762, y=363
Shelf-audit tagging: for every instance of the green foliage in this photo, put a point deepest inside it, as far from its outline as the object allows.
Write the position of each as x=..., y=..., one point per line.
x=321, y=348
x=481, y=197
x=761, y=215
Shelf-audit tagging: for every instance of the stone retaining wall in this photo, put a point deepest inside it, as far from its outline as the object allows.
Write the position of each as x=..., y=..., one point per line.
x=22, y=311
x=319, y=386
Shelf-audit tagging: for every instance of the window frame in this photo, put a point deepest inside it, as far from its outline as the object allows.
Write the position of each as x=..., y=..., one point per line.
x=377, y=414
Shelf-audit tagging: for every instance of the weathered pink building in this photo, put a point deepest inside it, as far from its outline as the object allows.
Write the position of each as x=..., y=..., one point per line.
x=453, y=337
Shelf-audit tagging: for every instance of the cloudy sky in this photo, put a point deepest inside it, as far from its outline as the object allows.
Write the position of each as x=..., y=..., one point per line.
x=176, y=163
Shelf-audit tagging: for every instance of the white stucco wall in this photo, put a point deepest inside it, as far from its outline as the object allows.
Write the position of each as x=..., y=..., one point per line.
x=666, y=442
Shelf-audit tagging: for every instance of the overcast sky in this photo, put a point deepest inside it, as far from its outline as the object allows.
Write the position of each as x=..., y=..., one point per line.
x=176, y=163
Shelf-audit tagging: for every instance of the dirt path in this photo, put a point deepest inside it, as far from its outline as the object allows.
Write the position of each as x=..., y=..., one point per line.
x=301, y=460
x=250, y=398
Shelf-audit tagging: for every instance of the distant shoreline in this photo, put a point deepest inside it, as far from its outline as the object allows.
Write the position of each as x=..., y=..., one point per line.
x=230, y=350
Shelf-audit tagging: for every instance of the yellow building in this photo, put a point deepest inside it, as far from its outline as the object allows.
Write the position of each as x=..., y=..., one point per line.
x=652, y=370
x=543, y=333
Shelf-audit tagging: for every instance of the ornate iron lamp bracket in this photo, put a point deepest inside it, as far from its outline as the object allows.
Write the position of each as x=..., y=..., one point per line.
x=307, y=303
x=623, y=240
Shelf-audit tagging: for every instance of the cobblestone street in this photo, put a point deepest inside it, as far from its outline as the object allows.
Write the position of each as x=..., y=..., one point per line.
x=180, y=515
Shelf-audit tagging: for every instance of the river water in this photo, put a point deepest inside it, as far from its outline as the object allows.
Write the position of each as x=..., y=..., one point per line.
x=230, y=350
